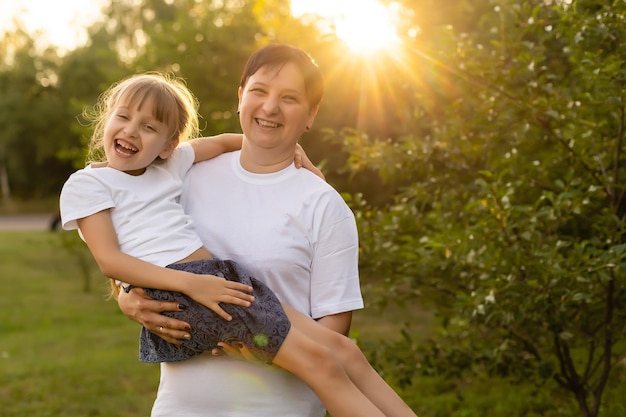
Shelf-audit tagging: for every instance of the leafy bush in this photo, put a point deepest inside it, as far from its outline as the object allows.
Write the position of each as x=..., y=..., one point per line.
x=511, y=220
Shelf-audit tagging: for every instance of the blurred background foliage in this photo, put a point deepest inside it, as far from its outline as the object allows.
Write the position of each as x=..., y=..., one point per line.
x=483, y=155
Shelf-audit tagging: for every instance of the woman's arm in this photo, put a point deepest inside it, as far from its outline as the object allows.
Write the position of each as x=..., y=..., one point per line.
x=100, y=236
x=338, y=322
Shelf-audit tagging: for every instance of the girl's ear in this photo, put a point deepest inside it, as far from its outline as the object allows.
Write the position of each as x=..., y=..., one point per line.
x=168, y=149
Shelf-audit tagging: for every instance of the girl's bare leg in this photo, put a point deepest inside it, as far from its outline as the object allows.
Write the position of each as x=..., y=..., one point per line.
x=320, y=369
x=356, y=365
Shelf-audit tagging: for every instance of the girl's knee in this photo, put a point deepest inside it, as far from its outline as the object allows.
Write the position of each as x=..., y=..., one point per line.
x=347, y=350
x=323, y=360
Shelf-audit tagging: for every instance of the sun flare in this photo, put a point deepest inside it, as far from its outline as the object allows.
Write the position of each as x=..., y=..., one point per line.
x=367, y=29
x=366, y=26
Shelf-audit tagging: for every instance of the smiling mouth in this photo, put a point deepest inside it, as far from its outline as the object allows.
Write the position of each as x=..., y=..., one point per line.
x=125, y=148
x=266, y=123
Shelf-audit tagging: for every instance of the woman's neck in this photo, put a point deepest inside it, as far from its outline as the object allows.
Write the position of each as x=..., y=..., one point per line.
x=265, y=161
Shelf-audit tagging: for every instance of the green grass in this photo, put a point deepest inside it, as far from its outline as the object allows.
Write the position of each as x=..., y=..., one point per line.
x=63, y=351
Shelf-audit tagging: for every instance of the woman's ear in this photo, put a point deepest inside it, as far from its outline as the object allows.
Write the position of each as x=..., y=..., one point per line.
x=312, y=115
x=239, y=95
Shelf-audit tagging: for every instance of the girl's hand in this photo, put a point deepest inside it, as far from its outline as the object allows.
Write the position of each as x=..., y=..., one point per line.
x=302, y=161
x=210, y=291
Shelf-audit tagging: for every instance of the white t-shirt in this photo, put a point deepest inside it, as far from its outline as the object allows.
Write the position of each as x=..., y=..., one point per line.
x=145, y=210
x=296, y=234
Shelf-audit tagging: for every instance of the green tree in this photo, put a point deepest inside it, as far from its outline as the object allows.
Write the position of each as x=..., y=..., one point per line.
x=207, y=45
x=509, y=218
x=31, y=117
x=83, y=74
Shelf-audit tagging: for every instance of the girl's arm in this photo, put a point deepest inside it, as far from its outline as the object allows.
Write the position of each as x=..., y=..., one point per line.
x=209, y=290
x=302, y=161
x=212, y=146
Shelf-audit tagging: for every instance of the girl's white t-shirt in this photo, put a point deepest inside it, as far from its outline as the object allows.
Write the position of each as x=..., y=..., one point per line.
x=296, y=234
x=145, y=209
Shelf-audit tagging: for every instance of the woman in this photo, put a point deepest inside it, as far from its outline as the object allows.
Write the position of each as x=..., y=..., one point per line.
x=291, y=229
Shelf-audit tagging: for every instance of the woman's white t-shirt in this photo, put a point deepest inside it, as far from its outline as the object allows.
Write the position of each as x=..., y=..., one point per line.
x=296, y=234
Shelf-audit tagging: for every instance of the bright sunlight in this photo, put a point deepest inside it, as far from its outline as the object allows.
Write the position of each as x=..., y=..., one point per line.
x=366, y=26
x=61, y=25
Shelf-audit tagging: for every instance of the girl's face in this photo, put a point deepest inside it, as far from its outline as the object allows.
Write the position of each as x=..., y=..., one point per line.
x=134, y=138
x=274, y=110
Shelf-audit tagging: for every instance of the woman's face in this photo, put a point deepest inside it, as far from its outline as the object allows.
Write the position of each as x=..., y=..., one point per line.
x=273, y=106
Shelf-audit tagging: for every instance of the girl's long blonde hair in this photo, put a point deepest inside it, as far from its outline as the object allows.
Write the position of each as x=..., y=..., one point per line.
x=174, y=105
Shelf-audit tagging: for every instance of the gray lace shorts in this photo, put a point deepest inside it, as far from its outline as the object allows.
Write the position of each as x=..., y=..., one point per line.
x=262, y=327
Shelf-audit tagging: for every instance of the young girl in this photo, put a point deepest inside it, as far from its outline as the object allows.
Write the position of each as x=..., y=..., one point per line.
x=126, y=209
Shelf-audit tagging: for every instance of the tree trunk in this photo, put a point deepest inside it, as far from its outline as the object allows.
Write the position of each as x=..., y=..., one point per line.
x=4, y=184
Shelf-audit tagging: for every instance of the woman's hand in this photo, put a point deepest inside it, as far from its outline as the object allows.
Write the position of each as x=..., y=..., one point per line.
x=237, y=351
x=138, y=306
x=302, y=161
